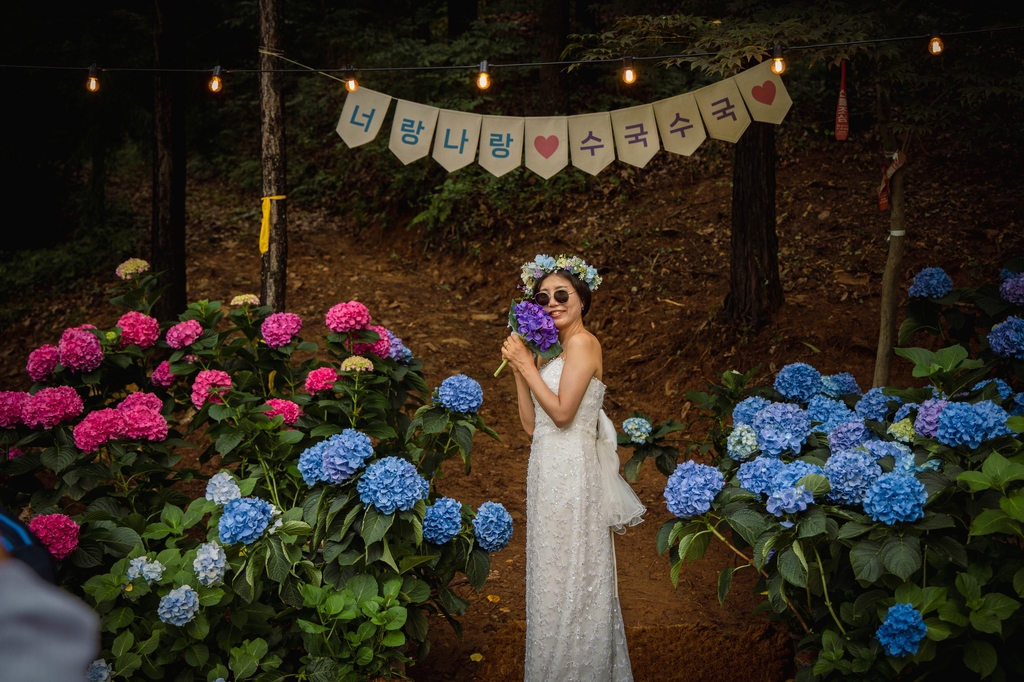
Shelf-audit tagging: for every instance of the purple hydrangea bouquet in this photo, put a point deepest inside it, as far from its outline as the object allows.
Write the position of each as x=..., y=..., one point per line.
x=536, y=328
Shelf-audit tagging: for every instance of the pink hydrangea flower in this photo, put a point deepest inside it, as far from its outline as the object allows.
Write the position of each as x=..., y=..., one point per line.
x=99, y=427
x=136, y=328
x=143, y=423
x=381, y=347
x=140, y=398
x=11, y=405
x=184, y=334
x=58, y=532
x=132, y=266
x=279, y=329
x=209, y=384
x=14, y=453
x=347, y=317
x=286, y=408
x=162, y=375
x=321, y=379
x=79, y=349
x=50, y=406
x=41, y=362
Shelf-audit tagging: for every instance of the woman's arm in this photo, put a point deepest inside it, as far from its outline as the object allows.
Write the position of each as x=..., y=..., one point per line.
x=582, y=361
x=526, y=415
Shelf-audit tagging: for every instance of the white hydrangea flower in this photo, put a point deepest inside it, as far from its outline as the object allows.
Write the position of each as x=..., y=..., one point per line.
x=222, y=488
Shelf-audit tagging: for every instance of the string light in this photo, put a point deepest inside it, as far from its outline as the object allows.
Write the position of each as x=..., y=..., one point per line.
x=483, y=79
x=628, y=72
x=216, y=83
x=778, y=62
x=93, y=82
x=351, y=84
x=935, y=44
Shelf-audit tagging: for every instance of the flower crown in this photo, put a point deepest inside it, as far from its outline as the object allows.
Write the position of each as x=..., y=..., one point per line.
x=543, y=264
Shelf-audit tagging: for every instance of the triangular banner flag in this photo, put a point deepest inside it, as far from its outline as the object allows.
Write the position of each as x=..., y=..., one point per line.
x=764, y=93
x=412, y=130
x=721, y=107
x=682, y=131
x=362, y=116
x=456, y=138
x=636, y=134
x=501, y=144
x=547, y=145
x=590, y=142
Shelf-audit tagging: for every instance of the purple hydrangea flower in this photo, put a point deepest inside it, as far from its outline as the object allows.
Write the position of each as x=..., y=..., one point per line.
x=1007, y=338
x=1012, y=290
x=850, y=474
x=927, y=422
x=848, y=435
x=535, y=325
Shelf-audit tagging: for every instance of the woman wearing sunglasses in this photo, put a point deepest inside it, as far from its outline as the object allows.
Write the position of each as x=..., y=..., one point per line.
x=574, y=628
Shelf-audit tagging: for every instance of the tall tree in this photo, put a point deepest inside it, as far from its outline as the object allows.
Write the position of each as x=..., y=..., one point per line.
x=168, y=226
x=274, y=279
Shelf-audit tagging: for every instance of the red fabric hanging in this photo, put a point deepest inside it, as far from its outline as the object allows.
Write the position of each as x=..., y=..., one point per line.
x=842, y=110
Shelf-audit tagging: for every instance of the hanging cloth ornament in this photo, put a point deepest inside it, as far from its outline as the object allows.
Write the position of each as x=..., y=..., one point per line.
x=842, y=110
x=265, y=224
x=898, y=159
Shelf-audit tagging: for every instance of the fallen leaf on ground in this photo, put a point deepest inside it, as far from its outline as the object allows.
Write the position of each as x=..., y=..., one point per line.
x=476, y=657
x=493, y=598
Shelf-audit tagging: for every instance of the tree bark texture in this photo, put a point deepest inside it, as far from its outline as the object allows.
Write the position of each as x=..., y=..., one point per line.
x=274, y=279
x=461, y=14
x=755, y=291
x=168, y=227
x=555, y=28
x=897, y=228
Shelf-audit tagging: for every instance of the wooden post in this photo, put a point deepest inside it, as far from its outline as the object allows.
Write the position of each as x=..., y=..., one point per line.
x=897, y=229
x=274, y=278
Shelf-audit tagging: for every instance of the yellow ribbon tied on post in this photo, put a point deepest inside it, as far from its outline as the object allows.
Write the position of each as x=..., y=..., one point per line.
x=265, y=226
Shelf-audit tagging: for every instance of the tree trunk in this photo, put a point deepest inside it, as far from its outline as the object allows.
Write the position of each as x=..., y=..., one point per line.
x=755, y=291
x=461, y=14
x=554, y=22
x=274, y=280
x=897, y=227
x=168, y=229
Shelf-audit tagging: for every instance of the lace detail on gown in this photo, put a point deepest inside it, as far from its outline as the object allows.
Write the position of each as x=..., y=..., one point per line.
x=574, y=629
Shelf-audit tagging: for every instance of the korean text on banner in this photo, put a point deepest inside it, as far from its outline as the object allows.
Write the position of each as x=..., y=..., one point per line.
x=547, y=145
x=679, y=123
x=764, y=93
x=362, y=116
x=721, y=107
x=456, y=138
x=412, y=130
x=590, y=142
x=501, y=144
x=636, y=134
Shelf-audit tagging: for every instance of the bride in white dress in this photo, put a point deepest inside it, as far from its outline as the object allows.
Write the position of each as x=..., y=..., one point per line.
x=574, y=495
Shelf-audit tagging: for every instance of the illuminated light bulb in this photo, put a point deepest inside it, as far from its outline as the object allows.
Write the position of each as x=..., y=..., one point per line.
x=935, y=44
x=778, y=62
x=351, y=84
x=216, y=83
x=483, y=79
x=628, y=72
x=93, y=82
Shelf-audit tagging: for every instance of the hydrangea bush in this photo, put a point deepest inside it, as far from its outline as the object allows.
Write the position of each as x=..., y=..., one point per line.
x=891, y=542
x=311, y=554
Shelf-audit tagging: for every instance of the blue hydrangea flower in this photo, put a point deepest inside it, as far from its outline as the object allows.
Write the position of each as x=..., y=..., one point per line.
x=745, y=409
x=443, y=521
x=1004, y=388
x=742, y=442
x=460, y=393
x=1006, y=274
x=151, y=571
x=905, y=464
x=492, y=526
x=850, y=474
x=691, y=488
x=210, y=564
x=835, y=385
x=406, y=354
x=848, y=435
x=789, y=500
x=781, y=426
x=931, y=283
x=875, y=405
x=789, y=474
x=98, y=671
x=1007, y=338
x=901, y=632
x=1017, y=409
x=344, y=453
x=798, y=381
x=545, y=262
x=222, y=488
x=244, y=520
x=971, y=424
x=392, y=484
x=1012, y=290
x=886, y=448
x=904, y=411
x=637, y=428
x=179, y=606
x=757, y=474
x=895, y=497
x=311, y=464
x=831, y=413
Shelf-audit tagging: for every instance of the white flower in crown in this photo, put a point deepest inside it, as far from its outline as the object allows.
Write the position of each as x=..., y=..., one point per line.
x=543, y=264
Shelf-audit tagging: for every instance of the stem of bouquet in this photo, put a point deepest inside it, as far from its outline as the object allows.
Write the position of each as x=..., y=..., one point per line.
x=500, y=367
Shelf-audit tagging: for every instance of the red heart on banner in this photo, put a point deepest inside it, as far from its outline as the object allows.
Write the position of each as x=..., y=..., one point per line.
x=764, y=93
x=546, y=146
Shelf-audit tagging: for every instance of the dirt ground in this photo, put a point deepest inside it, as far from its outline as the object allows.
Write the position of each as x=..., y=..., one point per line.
x=663, y=251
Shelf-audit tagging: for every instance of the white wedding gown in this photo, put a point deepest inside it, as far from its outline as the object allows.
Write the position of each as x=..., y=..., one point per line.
x=574, y=630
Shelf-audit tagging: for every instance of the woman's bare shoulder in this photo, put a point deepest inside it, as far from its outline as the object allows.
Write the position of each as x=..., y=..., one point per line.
x=584, y=342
